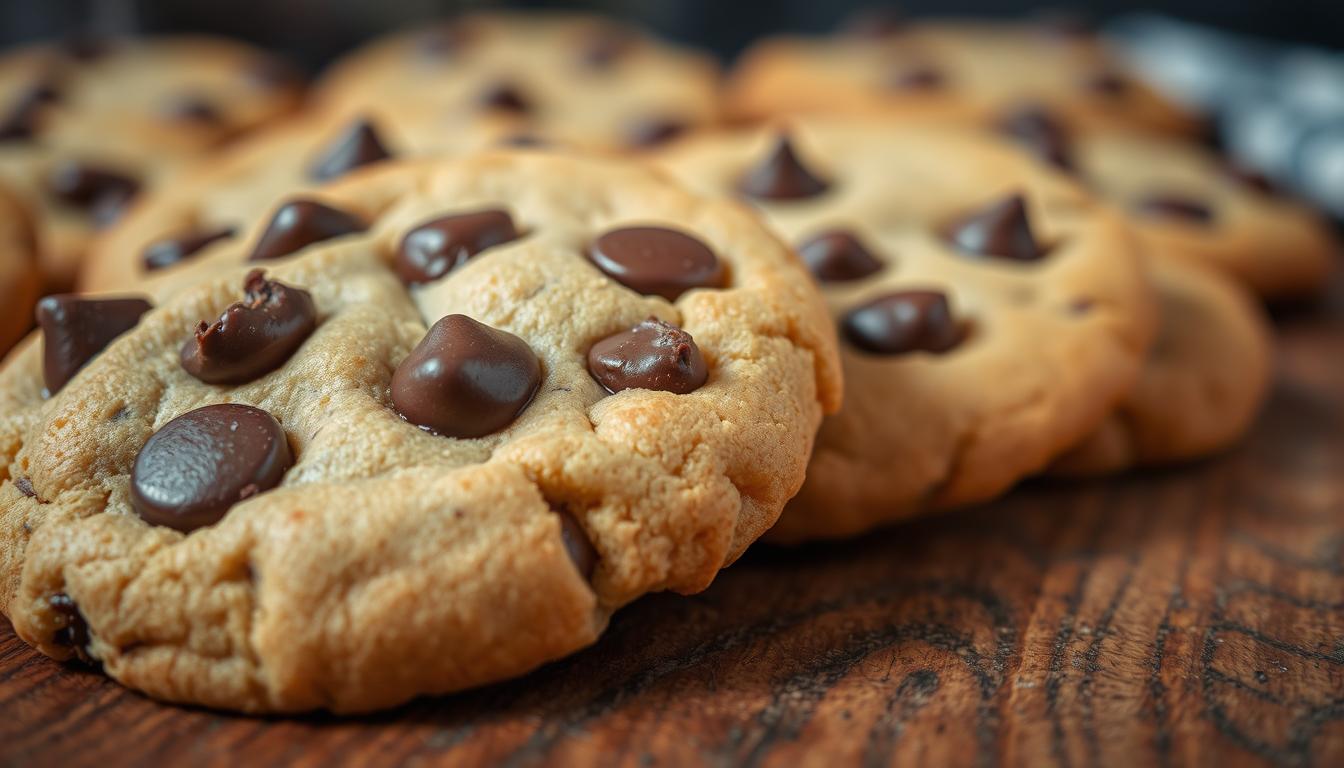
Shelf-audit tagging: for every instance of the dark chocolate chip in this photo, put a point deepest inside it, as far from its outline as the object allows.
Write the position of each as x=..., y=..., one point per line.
x=781, y=176
x=1041, y=133
x=655, y=131
x=73, y=630
x=25, y=487
x=437, y=247
x=192, y=108
x=1174, y=206
x=652, y=355
x=465, y=379
x=657, y=261
x=300, y=223
x=171, y=250
x=874, y=23
x=358, y=145
x=906, y=321
x=577, y=545
x=201, y=463
x=920, y=77
x=74, y=329
x=1107, y=83
x=602, y=46
x=505, y=97
x=91, y=187
x=254, y=336
x=1000, y=230
x=21, y=122
x=837, y=255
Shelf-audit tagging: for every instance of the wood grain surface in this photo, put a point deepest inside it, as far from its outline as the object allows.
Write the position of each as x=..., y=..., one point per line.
x=1186, y=617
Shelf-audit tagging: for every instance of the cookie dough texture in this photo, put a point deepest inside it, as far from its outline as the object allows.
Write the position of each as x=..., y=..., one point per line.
x=1274, y=245
x=137, y=108
x=238, y=186
x=1053, y=344
x=970, y=70
x=18, y=271
x=548, y=62
x=1202, y=385
x=392, y=562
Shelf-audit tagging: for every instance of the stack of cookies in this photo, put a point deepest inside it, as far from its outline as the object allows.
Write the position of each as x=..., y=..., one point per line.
x=521, y=317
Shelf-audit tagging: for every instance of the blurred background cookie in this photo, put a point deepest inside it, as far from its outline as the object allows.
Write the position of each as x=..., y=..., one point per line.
x=86, y=125
x=18, y=271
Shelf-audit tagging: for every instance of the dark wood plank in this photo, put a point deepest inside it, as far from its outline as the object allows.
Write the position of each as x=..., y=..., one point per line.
x=1191, y=617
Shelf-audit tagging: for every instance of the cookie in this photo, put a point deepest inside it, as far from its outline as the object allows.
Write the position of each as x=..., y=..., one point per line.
x=1188, y=204
x=578, y=80
x=213, y=201
x=991, y=311
x=18, y=271
x=317, y=487
x=84, y=128
x=1202, y=385
x=947, y=70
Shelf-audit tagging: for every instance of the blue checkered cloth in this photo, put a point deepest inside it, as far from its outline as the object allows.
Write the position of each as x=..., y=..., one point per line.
x=1278, y=109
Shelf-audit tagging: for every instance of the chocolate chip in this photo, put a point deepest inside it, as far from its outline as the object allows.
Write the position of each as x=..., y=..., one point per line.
x=254, y=336
x=652, y=355
x=921, y=77
x=657, y=261
x=901, y=322
x=1107, y=83
x=655, y=131
x=437, y=247
x=999, y=230
x=603, y=45
x=201, y=463
x=1037, y=130
x=74, y=329
x=25, y=487
x=465, y=379
x=300, y=223
x=21, y=122
x=73, y=630
x=1253, y=180
x=505, y=97
x=358, y=145
x=874, y=23
x=193, y=109
x=88, y=186
x=577, y=545
x=836, y=256
x=171, y=250
x=1174, y=206
x=781, y=176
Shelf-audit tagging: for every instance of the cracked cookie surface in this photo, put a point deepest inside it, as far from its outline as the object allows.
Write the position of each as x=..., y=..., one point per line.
x=389, y=560
x=991, y=310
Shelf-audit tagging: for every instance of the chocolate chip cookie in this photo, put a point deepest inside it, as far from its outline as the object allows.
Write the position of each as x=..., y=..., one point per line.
x=212, y=202
x=578, y=80
x=420, y=430
x=956, y=70
x=18, y=271
x=84, y=128
x=991, y=311
x=1202, y=385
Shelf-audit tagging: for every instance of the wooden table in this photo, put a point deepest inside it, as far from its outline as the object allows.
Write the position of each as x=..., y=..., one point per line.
x=1193, y=616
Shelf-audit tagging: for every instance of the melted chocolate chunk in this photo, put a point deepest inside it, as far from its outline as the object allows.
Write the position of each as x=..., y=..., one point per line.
x=466, y=379
x=73, y=630
x=999, y=230
x=254, y=336
x=782, y=176
x=171, y=250
x=74, y=329
x=837, y=255
x=193, y=470
x=437, y=247
x=577, y=545
x=300, y=223
x=657, y=261
x=903, y=322
x=652, y=355
x=357, y=146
